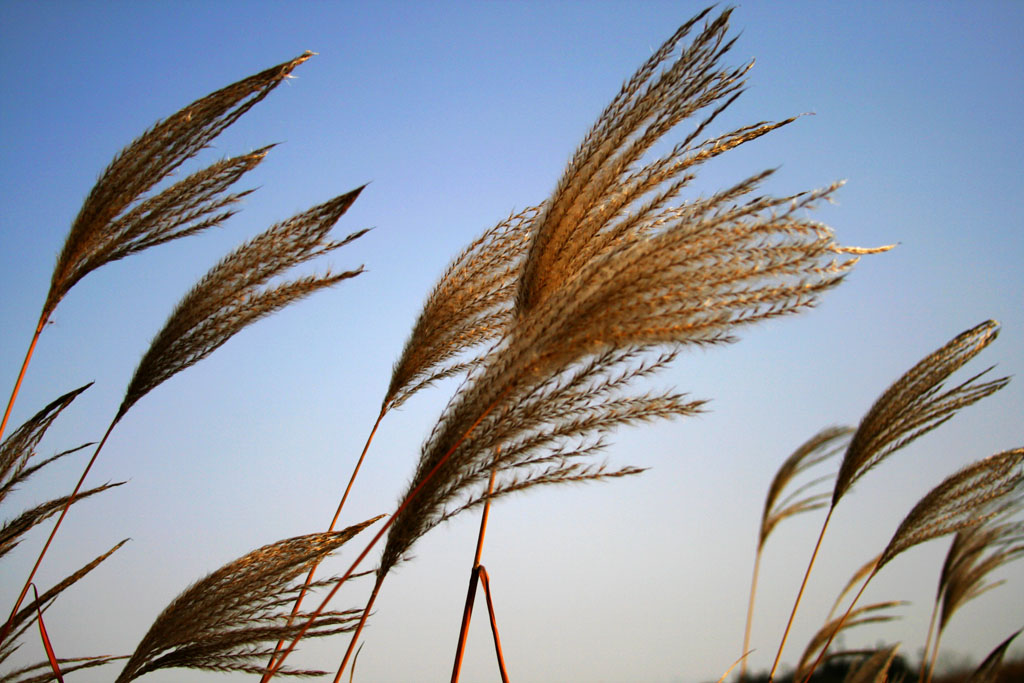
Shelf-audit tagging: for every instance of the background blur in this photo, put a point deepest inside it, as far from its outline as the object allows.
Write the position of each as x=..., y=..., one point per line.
x=458, y=114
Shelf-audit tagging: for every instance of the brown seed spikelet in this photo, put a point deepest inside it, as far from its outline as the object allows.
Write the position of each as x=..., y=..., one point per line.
x=913, y=405
x=613, y=272
x=966, y=498
x=229, y=620
x=117, y=219
x=469, y=306
x=232, y=294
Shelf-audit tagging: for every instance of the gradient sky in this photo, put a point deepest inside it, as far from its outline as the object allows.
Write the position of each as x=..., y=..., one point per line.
x=458, y=114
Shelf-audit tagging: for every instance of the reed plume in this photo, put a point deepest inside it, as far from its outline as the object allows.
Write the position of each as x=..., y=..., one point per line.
x=616, y=267
x=777, y=508
x=120, y=217
x=915, y=404
x=19, y=447
x=117, y=219
x=912, y=406
x=974, y=554
x=224, y=621
x=470, y=305
x=971, y=496
x=988, y=670
x=235, y=293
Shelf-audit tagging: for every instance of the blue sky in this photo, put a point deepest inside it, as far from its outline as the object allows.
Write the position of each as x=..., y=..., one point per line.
x=458, y=114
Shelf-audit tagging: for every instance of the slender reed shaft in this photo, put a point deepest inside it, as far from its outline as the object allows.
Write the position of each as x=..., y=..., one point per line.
x=935, y=656
x=799, y=595
x=750, y=613
x=21, y=373
x=474, y=575
x=334, y=522
x=928, y=643
x=485, y=582
x=839, y=626
x=369, y=546
x=71, y=499
x=359, y=629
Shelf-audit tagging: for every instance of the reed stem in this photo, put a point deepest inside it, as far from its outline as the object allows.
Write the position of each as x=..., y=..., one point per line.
x=839, y=626
x=799, y=595
x=21, y=374
x=337, y=514
x=750, y=612
x=369, y=546
x=485, y=582
x=474, y=575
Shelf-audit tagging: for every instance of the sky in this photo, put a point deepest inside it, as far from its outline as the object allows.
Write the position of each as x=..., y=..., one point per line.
x=458, y=114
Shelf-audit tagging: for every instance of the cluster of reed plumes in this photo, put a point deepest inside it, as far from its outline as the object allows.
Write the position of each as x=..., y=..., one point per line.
x=554, y=319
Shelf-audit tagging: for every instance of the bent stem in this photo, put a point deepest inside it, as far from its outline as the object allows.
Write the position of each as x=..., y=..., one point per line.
x=485, y=581
x=750, y=613
x=71, y=499
x=369, y=546
x=474, y=575
x=334, y=522
x=799, y=595
x=21, y=373
x=839, y=626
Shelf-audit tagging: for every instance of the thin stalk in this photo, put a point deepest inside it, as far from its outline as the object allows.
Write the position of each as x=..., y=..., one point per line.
x=935, y=655
x=799, y=595
x=485, y=581
x=474, y=575
x=359, y=629
x=928, y=643
x=750, y=612
x=369, y=546
x=71, y=499
x=839, y=626
x=21, y=373
x=337, y=514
